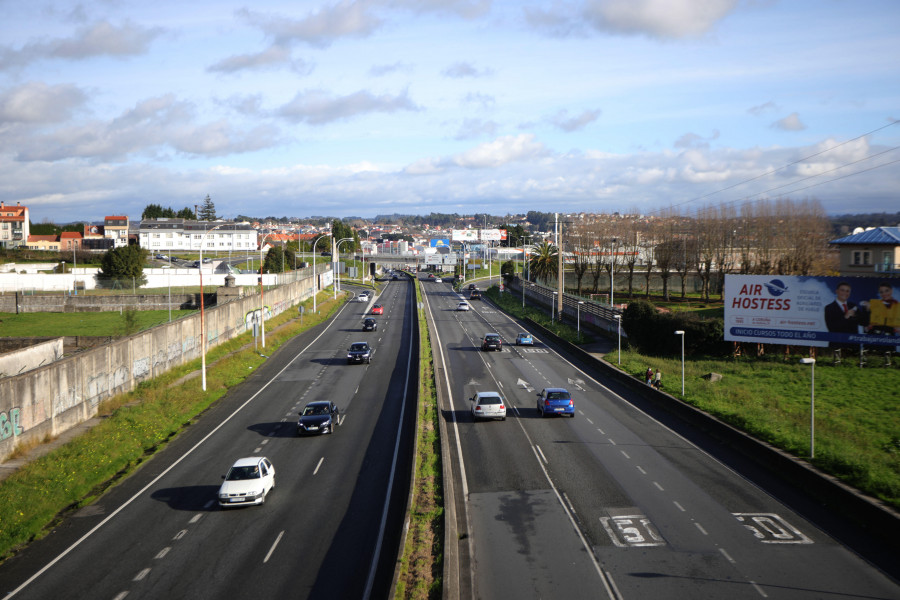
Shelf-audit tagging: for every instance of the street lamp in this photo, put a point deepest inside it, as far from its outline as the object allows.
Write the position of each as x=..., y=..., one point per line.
x=812, y=405
x=681, y=333
x=315, y=274
x=338, y=253
x=618, y=319
x=580, y=302
x=202, y=312
x=262, y=307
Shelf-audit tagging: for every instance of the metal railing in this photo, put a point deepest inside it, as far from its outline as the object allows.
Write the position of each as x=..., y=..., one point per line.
x=600, y=316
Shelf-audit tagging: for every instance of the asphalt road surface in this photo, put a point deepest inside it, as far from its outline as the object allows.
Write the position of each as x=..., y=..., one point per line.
x=330, y=529
x=610, y=503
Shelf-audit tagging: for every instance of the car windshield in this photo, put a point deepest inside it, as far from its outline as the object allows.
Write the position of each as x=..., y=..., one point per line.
x=359, y=348
x=557, y=395
x=239, y=473
x=311, y=410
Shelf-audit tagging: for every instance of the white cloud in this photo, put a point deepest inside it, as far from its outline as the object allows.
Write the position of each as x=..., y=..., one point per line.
x=273, y=57
x=791, y=122
x=319, y=28
x=463, y=69
x=99, y=39
x=37, y=102
x=569, y=124
x=501, y=151
x=672, y=19
x=317, y=107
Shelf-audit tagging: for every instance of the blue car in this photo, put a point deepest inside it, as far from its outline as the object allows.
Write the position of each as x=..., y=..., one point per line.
x=555, y=401
x=524, y=339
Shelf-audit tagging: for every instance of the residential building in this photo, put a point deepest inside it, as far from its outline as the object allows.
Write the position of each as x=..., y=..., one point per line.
x=873, y=252
x=43, y=242
x=116, y=228
x=69, y=241
x=167, y=235
x=14, y=225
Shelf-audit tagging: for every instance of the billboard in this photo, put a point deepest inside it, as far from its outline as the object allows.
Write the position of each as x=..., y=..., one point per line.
x=464, y=235
x=490, y=235
x=812, y=311
x=436, y=243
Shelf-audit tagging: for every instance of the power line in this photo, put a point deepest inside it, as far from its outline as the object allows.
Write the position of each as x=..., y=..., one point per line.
x=798, y=161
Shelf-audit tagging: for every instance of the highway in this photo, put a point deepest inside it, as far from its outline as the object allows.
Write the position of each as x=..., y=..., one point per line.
x=330, y=529
x=610, y=503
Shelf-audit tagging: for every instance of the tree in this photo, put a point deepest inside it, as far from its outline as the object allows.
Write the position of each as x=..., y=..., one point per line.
x=121, y=266
x=544, y=262
x=276, y=261
x=185, y=213
x=207, y=210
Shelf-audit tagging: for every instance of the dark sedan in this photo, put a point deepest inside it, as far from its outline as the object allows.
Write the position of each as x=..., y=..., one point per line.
x=359, y=352
x=370, y=324
x=318, y=417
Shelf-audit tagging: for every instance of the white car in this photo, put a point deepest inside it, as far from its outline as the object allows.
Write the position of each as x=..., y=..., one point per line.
x=248, y=481
x=362, y=298
x=488, y=405
x=462, y=306
x=438, y=280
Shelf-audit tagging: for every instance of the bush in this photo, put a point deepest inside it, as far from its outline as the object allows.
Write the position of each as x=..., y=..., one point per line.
x=652, y=332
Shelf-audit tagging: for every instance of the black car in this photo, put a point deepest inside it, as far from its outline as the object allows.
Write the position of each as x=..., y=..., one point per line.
x=475, y=295
x=318, y=417
x=472, y=286
x=359, y=353
x=370, y=324
x=492, y=341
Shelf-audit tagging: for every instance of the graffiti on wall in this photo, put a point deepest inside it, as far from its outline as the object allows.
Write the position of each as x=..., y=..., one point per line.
x=65, y=400
x=10, y=424
x=140, y=368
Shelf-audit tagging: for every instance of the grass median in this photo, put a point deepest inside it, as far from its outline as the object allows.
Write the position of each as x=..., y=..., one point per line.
x=421, y=564
x=857, y=424
x=135, y=426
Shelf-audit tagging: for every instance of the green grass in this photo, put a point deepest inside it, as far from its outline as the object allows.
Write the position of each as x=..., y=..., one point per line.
x=421, y=566
x=139, y=423
x=81, y=323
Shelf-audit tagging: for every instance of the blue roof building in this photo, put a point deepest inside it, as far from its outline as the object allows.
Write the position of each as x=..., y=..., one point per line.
x=874, y=252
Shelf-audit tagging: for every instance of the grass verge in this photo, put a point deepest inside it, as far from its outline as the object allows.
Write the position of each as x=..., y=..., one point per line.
x=422, y=562
x=136, y=426
x=857, y=424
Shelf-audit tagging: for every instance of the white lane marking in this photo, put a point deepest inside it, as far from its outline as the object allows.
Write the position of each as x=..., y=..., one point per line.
x=208, y=504
x=257, y=449
x=625, y=454
x=759, y=589
x=543, y=458
x=316, y=470
x=264, y=442
x=700, y=527
x=725, y=554
x=678, y=506
x=180, y=534
x=641, y=469
x=659, y=487
x=601, y=431
x=612, y=441
x=196, y=518
x=120, y=595
x=272, y=549
x=163, y=552
x=140, y=576
x=165, y=472
x=588, y=420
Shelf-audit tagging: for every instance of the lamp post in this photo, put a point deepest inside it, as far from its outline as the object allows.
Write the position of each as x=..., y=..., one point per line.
x=262, y=320
x=553, y=308
x=681, y=333
x=618, y=319
x=202, y=313
x=338, y=246
x=812, y=405
x=580, y=302
x=315, y=274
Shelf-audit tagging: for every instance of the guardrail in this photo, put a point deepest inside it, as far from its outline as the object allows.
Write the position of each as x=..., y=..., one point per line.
x=600, y=316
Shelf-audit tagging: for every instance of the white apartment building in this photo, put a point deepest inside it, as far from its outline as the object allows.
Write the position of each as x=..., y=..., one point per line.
x=167, y=235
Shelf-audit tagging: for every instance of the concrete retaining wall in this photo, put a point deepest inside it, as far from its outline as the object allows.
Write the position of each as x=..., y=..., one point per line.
x=32, y=357
x=56, y=397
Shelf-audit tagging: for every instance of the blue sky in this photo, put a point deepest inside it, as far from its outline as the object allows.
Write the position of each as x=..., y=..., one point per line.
x=415, y=106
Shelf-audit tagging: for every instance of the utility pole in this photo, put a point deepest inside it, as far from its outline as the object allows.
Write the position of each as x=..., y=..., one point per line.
x=560, y=273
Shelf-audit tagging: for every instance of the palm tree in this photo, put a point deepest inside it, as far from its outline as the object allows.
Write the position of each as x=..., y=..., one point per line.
x=544, y=262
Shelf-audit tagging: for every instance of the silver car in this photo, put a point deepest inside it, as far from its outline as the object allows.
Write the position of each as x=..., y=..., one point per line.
x=488, y=405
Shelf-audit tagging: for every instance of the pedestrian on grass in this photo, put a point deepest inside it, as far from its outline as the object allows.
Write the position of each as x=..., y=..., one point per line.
x=657, y=379
x=649, y=376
